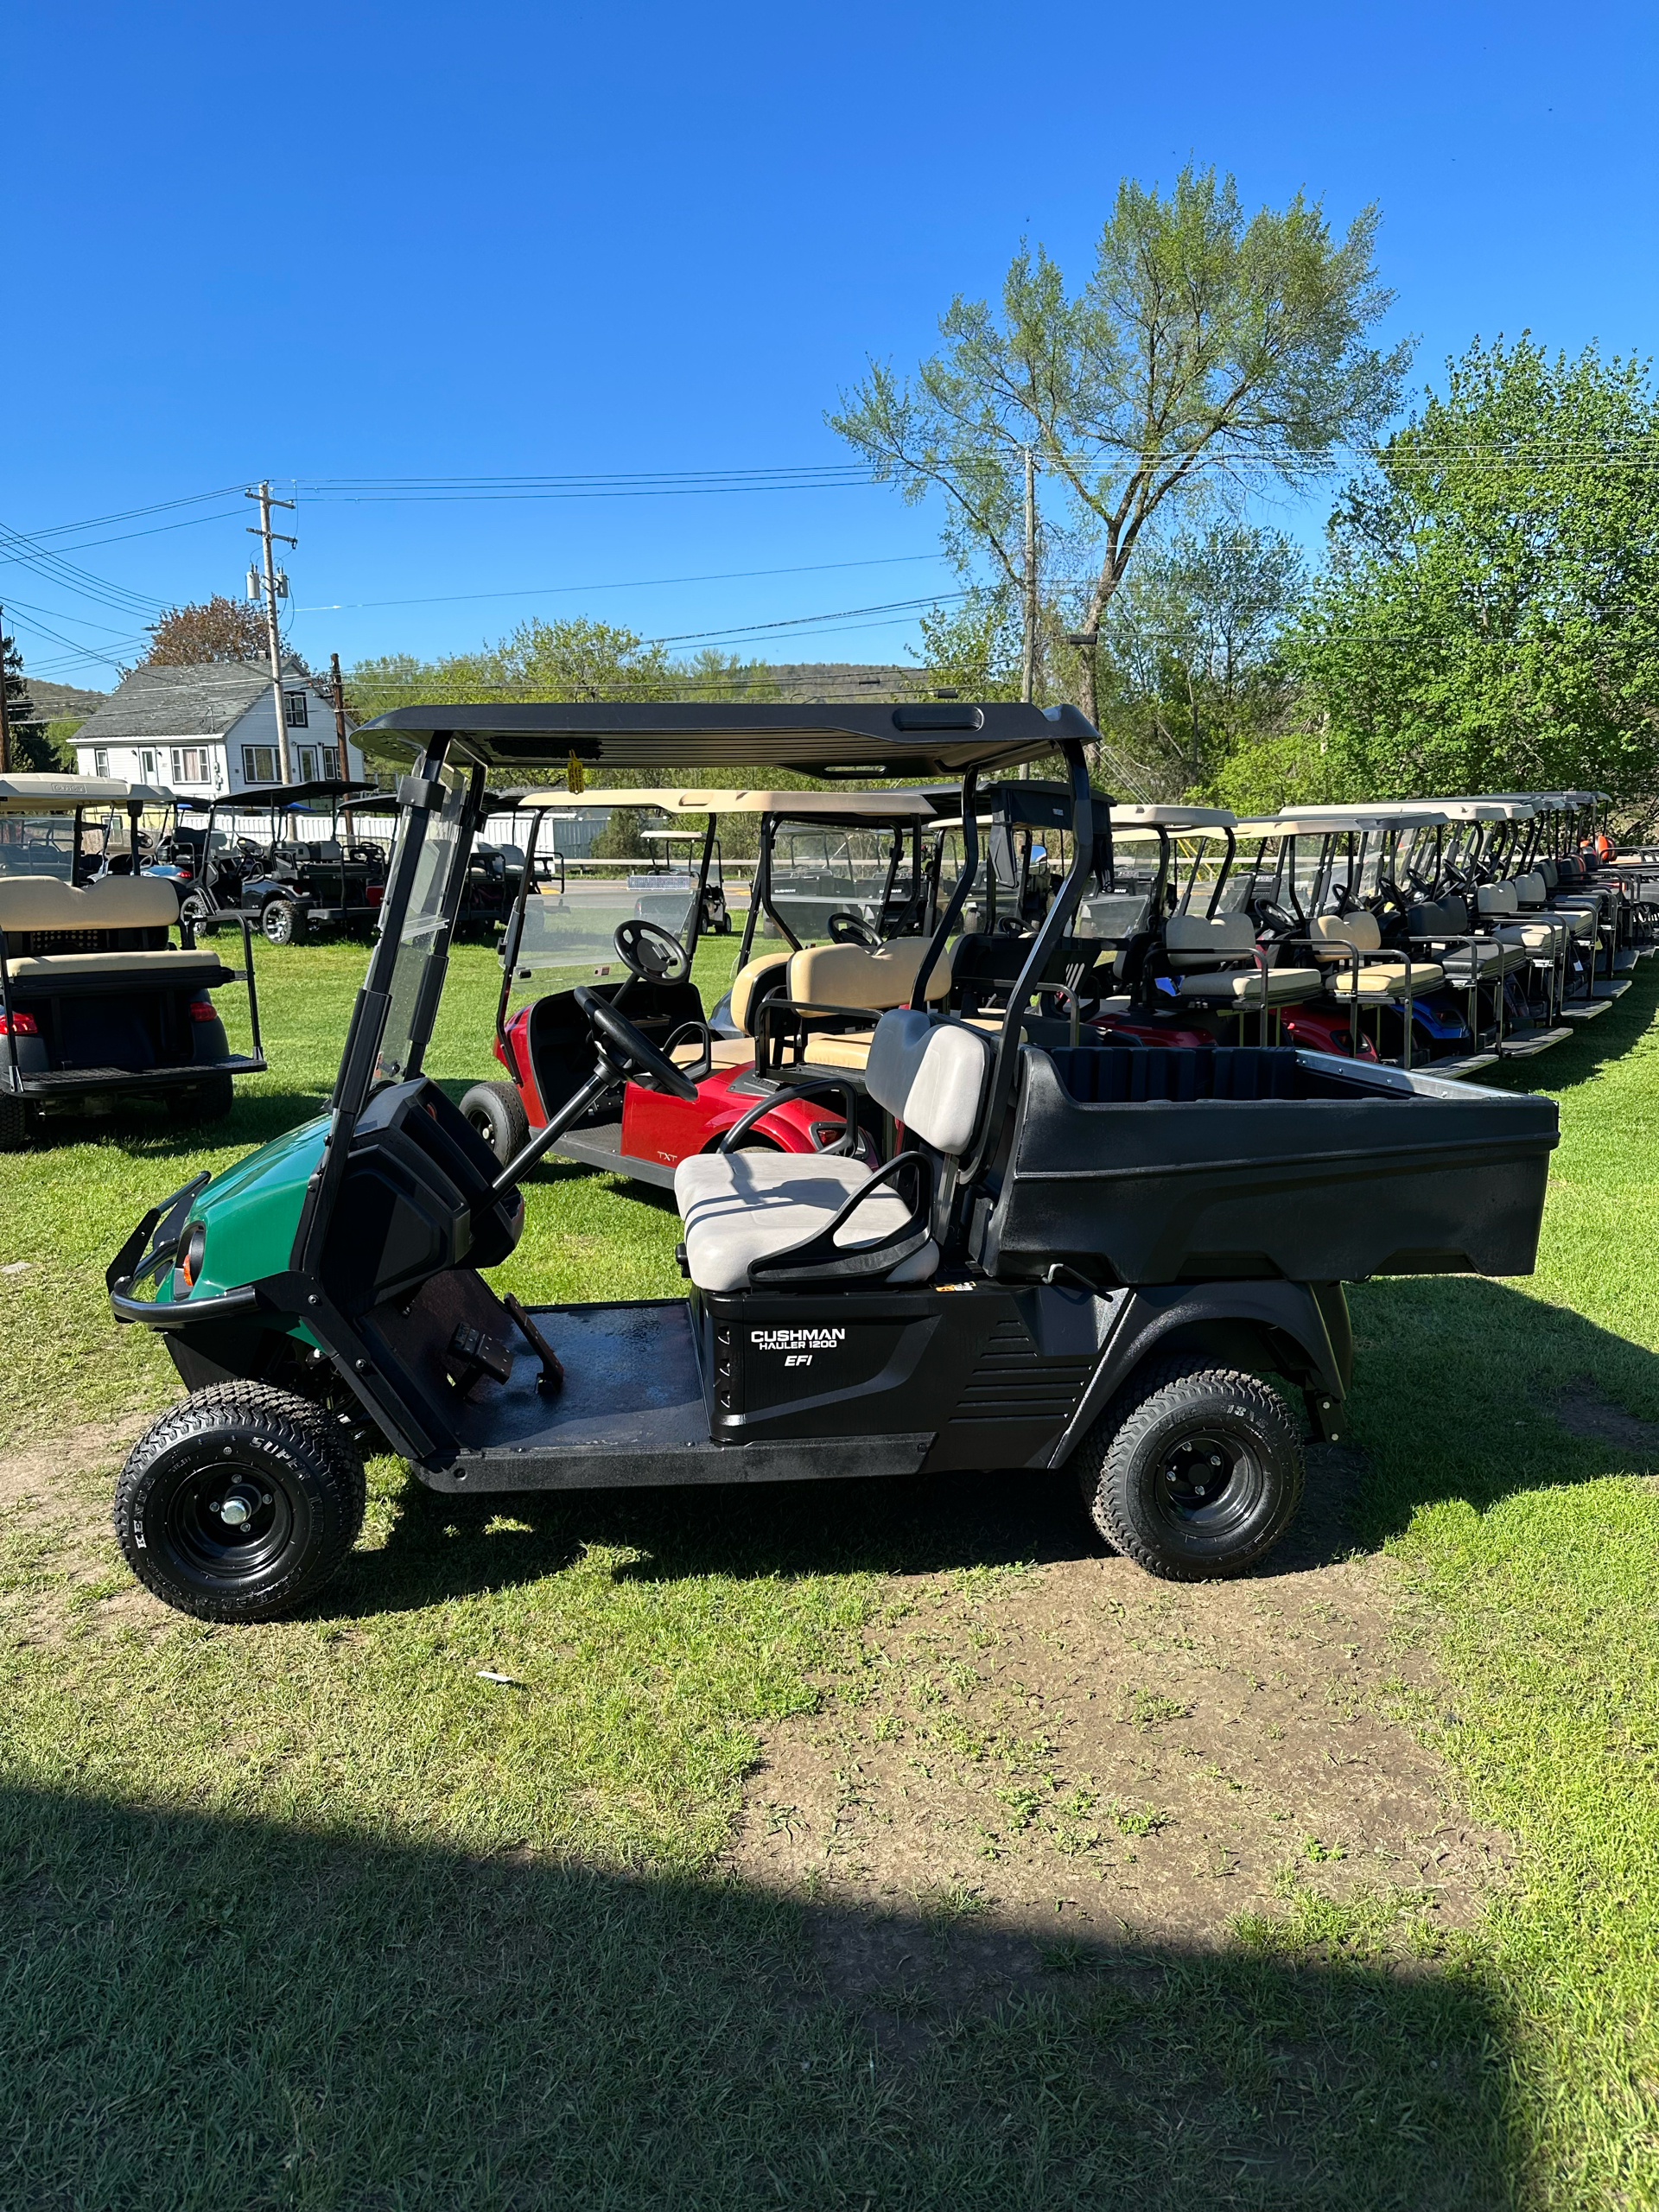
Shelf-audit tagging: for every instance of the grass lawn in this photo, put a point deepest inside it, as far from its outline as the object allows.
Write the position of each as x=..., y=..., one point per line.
x=309, y=1915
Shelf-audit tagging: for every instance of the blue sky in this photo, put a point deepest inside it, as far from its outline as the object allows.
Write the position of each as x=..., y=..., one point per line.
x=374, y=242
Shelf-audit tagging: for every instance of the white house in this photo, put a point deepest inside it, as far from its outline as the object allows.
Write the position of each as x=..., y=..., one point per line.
x=209, y=730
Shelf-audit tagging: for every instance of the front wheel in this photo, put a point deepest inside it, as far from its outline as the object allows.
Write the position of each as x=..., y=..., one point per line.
x=1198, y=1477
x=239, y=1504
x=497, y=1112
x=280, y=921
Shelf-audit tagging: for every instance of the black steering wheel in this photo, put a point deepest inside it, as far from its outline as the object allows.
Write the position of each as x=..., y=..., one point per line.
x=628, y=1045
x=652, y=953
x=853, y=929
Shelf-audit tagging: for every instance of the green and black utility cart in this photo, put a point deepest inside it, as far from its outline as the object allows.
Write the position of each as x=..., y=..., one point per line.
x=1092, y=1255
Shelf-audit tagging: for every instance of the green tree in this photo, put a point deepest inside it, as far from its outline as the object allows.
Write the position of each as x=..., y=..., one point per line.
x=1191, y=644
x=1489, y=618
x=973, y=645
x=1204, y=351
x=32, y=749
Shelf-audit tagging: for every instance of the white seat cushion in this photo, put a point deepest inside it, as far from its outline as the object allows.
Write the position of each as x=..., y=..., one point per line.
x=742, y=1206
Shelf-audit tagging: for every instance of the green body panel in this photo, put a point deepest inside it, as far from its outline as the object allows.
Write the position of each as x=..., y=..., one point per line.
x=250, y=1214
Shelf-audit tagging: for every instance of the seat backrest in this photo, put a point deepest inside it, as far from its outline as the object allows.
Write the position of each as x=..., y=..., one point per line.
x=1496, y=899
x=1550, y=873
x=932, y=1075
x=1359, y=930
x=1530, y=890
x=1193, y=942
x=1431, y=919
x=130, y=902
x=864, y=976
x=749, y=985
x=114, y=902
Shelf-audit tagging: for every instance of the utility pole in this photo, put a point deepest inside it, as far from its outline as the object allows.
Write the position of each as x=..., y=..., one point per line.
x=265, y=534
x=340, y=708
x=5, y=716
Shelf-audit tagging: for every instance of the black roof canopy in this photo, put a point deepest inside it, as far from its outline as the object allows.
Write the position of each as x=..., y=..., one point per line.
x=945, y=738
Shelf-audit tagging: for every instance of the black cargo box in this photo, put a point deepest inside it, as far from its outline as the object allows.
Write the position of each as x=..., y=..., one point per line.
x=1139, y=1164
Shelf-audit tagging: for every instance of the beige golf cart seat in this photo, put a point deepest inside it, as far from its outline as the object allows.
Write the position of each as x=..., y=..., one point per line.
x=742, y=1209
x=116, y=927
x=1383, y=974
x=1499, y=905
x=842, y=978
x=1214, y=957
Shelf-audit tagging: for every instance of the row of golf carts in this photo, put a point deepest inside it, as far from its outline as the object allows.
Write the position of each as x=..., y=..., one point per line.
x=1446, y=937
x=1003, y=1146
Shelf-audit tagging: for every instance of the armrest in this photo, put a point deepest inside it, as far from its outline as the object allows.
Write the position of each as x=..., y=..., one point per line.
x=818, y=1257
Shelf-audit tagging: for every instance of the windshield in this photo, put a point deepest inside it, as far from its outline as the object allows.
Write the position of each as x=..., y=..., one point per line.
x=38, y=845
x=819, y=869
x=423, y=935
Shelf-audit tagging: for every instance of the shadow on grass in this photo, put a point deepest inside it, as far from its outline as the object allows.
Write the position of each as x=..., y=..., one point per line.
x=202, y=2013
x=1458, y=1381
x=1591, y=1048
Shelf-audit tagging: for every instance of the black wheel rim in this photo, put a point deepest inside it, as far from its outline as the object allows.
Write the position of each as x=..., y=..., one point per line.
x=1208, y=1482
x=228, y=1521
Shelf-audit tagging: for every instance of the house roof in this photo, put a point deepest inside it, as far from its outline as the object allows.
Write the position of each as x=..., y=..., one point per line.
x=199, y=699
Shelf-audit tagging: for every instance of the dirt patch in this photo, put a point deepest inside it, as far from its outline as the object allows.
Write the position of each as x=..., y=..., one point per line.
x=49, y=1470
x=1075, y=1751
x=1583, y=1410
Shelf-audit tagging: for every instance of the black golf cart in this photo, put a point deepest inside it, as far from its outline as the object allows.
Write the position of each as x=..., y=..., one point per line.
x=313, y=870
x=1087, y=1256
x=96, y=1002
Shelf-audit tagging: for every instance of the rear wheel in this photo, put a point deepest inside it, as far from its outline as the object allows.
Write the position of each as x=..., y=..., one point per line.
x=14, y=1124
x=209, y=1100
x=497, y=1112
x=279, y=919
x=1198, y=1476
x=239, y=1504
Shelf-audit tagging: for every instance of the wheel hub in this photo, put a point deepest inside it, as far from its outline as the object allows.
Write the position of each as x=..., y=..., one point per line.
x=1198, y=1473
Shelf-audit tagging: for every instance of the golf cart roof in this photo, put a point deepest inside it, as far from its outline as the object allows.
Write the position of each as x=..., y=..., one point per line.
x=826, y=806
x=1486, y=810
x=1170, y=818
x=942, y=739
x=29, y=793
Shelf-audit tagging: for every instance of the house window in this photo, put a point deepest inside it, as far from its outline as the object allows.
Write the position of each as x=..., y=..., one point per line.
x=189, y=764
x=100, y=760
x=331, y=759
x=297, y=709
x=260, y=764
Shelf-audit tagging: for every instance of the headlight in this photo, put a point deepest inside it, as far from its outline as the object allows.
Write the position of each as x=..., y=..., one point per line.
x=191, y=1250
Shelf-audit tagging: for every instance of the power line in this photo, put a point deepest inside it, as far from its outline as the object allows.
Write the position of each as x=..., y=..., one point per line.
x=632, y=583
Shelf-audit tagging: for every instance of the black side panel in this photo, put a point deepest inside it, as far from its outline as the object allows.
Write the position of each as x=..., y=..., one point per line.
x=1152, y=1166
x=1301, y=1328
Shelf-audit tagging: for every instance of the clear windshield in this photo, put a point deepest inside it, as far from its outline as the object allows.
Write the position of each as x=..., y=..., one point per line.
x=422, y=933
x=37, y=844
x=569, y=933
x=818, y=870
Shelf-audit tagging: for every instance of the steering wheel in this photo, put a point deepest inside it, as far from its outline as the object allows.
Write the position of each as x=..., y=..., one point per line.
x=628, y=1045
x=367, y=856
x=652, y=953
x=853, y=929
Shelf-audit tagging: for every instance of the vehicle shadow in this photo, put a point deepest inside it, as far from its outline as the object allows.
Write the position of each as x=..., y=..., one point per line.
x=1460, y=1386
x=343, y=2019
x=1591, y=1049
x=149, y=1132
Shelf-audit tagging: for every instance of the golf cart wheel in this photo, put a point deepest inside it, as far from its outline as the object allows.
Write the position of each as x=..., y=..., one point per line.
x=497, y=1112
x=239, y=1504
x=1198, y=1476
x=14, y=1124
x=280, y=920
x=209, y=1100
x=194, y=909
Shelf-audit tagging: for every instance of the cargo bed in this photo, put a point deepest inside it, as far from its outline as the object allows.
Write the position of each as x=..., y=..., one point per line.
x=1137, y=1165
